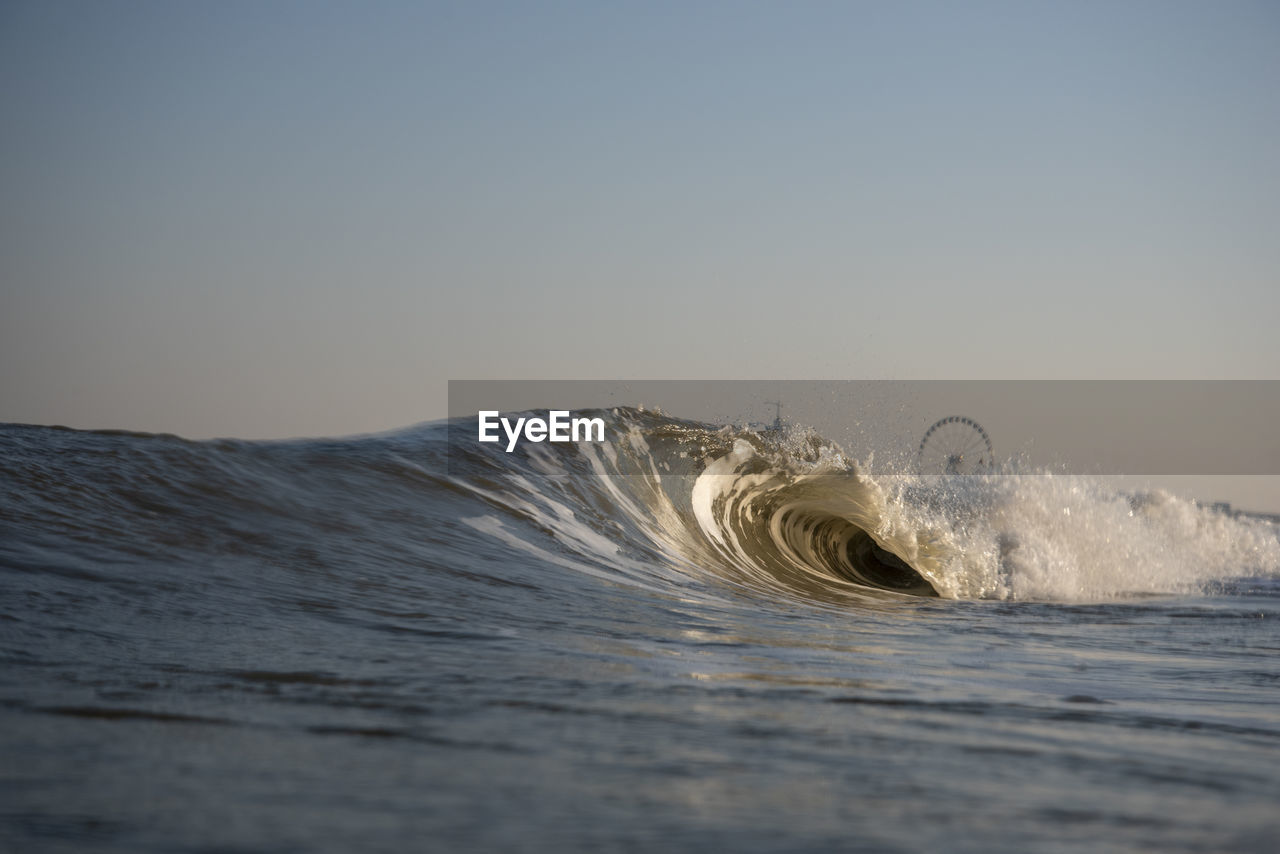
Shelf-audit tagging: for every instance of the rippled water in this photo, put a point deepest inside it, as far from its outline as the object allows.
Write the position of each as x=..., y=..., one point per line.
x=671, y=640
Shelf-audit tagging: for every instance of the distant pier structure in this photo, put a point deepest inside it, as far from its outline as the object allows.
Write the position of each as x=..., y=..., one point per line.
x=777, y=413
x=776, y=425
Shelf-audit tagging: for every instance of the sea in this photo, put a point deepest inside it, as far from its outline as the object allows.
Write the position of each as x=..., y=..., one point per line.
x=686, y=637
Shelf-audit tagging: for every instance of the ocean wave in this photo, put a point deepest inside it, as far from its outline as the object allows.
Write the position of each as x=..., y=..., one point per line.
x=663, y=504
x=784, y=511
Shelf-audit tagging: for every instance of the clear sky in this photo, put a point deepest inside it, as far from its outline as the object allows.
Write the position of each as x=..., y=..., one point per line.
x=276, y=219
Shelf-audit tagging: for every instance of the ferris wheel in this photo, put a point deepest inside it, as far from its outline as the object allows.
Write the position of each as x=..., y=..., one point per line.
x=955, y=445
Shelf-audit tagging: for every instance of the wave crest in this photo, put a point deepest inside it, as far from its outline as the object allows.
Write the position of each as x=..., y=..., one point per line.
x=792, y=513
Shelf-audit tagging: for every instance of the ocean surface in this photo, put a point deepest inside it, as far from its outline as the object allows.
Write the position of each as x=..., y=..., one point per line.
x=688, y=637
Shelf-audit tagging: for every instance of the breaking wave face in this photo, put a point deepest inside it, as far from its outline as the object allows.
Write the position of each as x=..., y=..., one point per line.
x=793, y=514
x=663, y=504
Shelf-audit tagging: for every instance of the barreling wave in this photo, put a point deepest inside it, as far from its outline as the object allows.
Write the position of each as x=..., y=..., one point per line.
x=664, y=504
x=792, y=513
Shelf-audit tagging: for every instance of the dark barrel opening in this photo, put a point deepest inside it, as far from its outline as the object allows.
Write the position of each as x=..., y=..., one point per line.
x=870, y=564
